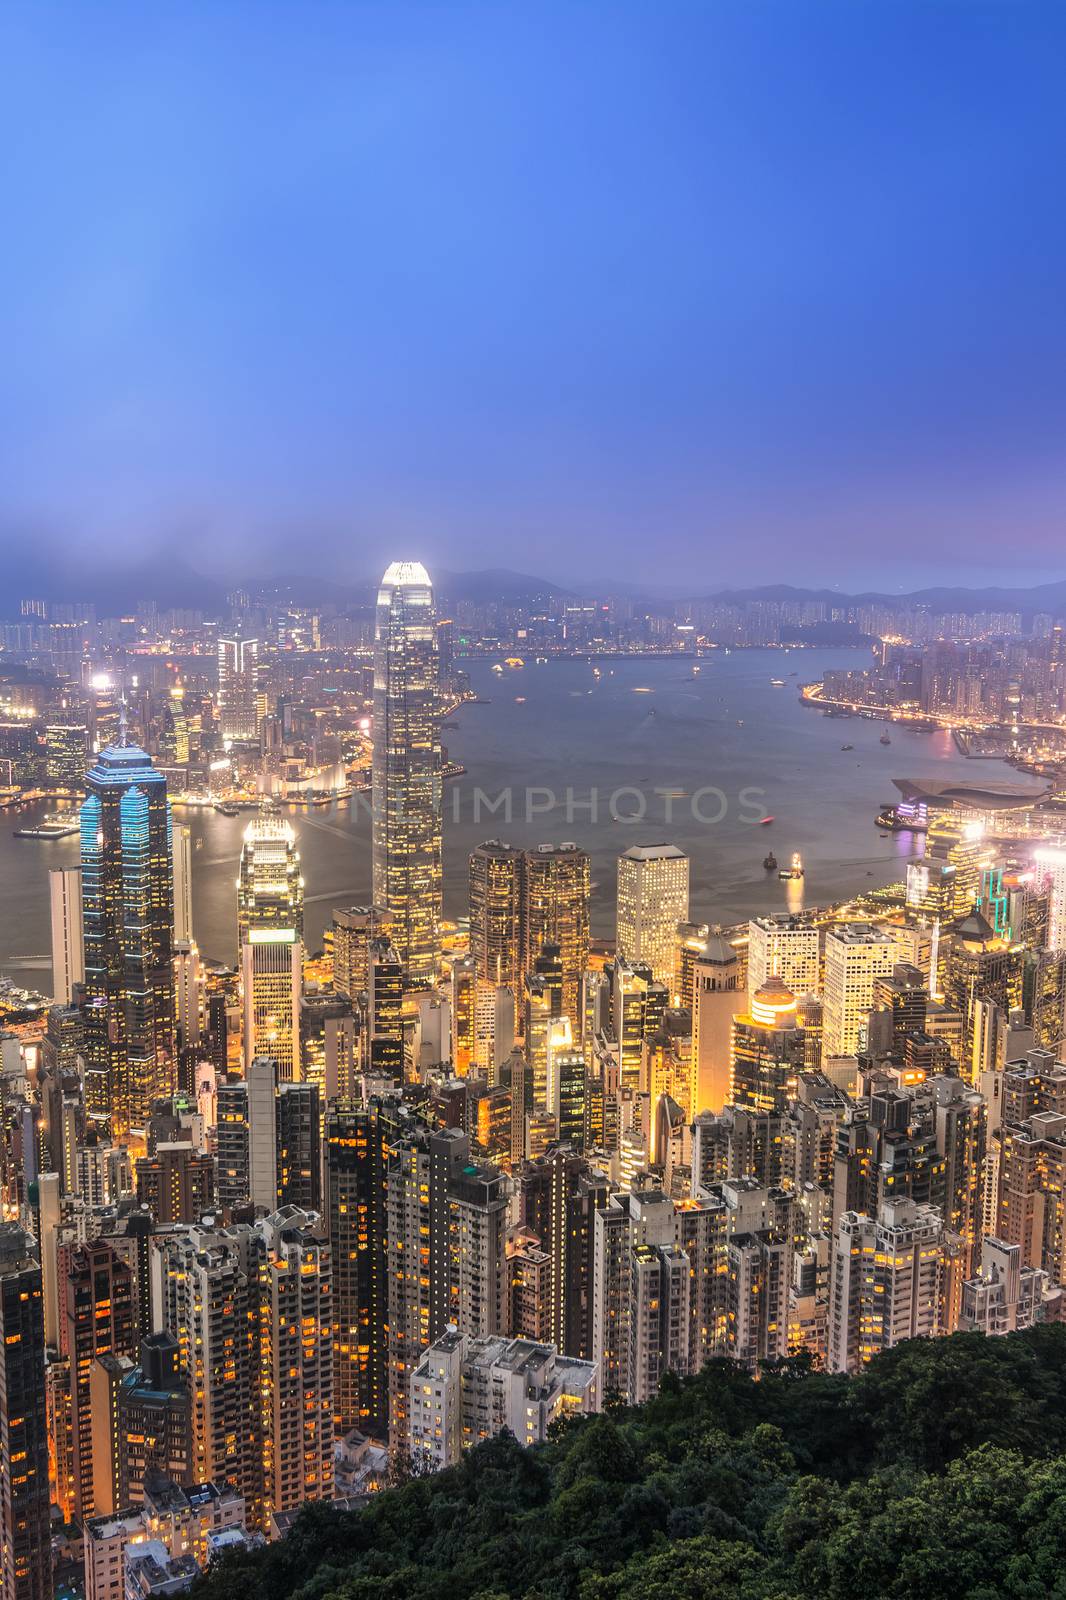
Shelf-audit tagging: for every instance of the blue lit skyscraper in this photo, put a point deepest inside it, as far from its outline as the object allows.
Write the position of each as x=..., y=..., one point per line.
x=127, y=915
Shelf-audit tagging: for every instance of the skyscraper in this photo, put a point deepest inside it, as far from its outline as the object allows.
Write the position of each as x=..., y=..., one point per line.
x=652, y=900
x=783, y=945
x=407, y=802
x=68, y=950
x=127, y=918
x=270, y=931
x=496, y=890
x=25, y=1554
x=856, y=955
x=556, y=911
x=182, y=852
x=238, y=683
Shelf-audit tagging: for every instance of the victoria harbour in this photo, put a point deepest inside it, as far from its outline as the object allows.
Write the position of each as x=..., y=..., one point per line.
x=607, y=752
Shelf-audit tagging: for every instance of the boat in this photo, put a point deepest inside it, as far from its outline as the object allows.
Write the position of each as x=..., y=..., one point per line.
x=695, y=672
x=769, y=862
x=847, y=747
x=885, y=739
x=764, y=822
x=226, y=811
x=519, y=699
x=50, y=827
x=795, y=870
x=777, y=683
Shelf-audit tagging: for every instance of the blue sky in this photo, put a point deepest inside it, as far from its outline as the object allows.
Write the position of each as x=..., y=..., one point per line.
x=720, y=292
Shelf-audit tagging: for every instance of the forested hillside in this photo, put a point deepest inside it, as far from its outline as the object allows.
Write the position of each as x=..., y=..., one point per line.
x=939, y=1472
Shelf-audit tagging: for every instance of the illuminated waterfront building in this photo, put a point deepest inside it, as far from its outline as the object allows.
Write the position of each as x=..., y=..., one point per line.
x=238, y=688
x=270, y=934
x=407, y=799
x=556, y=912
x=127, y=921
x=66, y=745
x=652, y=900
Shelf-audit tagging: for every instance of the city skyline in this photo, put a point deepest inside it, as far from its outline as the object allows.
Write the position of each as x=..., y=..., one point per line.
x=731, y=291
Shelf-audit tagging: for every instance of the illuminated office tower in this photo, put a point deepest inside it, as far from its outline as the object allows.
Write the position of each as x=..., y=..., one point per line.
x=407, y=799
x=68, y=949
x=464, y=986
x=238, y=689
x=295, y=1340
x=652, y=900
x=182, y=854
x=354, y=930
x=1051, y=865
x=767, y=1054
x=174, y=741
x=783, y=946
x=482, y=1022
x=127, y=918
x=65, y=749
x=497, y=876
x=270, y=932
x=639, y=1005
x=690, y=942
x=977, y=965
x=718, y=994
x=25, y=1545
x=189, y=995
x=556, y=911
x=945, y=882
x=856, y=955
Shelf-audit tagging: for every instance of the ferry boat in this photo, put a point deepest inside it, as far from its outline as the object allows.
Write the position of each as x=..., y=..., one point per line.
x=885, y=739
x=777, y=683
x=764, y=822
x=795, y=870
x=50, y=827
x=847, y=747
x=770, y=862
x=226, y=811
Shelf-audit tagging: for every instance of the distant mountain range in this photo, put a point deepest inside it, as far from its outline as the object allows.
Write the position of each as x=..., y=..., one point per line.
x=1043, y=597
x=170, y=582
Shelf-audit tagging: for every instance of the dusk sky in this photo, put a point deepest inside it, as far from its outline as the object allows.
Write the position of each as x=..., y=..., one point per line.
x=692, y=294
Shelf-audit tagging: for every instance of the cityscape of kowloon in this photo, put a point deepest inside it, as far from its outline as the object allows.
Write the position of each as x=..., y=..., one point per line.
x=533, y=801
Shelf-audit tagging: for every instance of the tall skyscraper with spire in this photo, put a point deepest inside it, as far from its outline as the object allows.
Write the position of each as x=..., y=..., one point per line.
x=127, y=918
x=407, y=802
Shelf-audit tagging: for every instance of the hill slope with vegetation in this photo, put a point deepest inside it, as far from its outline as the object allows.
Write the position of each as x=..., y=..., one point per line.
x=939, y=1472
